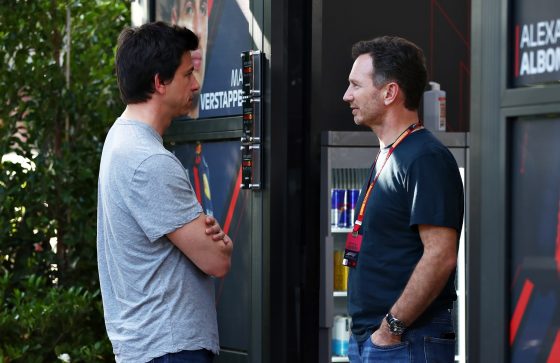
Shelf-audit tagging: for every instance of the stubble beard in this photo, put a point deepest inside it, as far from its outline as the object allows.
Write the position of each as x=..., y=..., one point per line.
x=193, y=108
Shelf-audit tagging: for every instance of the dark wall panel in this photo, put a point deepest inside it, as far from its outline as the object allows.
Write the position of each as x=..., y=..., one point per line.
x=440, y=27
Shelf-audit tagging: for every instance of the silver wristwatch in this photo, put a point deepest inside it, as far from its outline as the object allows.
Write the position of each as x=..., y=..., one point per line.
x=396, y=327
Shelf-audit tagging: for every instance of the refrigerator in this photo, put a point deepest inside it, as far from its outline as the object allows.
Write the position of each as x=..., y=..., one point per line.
x=346, y=158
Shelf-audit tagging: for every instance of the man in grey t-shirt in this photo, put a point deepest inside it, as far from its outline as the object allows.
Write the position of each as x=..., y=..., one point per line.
x=157, y=251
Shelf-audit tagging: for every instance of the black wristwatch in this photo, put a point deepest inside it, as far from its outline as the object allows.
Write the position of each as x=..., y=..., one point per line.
x=396, y=327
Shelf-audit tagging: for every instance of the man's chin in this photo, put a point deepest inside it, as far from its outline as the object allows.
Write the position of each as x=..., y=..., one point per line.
x=193, y=112
x=193, y=107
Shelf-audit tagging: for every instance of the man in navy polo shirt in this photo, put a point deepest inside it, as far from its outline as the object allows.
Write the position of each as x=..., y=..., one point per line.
x=403, y=252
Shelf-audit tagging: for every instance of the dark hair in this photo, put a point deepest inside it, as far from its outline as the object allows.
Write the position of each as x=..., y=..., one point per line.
x=143, y=52
x=396, y=60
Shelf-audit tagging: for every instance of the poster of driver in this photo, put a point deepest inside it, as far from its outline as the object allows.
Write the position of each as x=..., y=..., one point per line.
x=222, y=27
x=214, y=167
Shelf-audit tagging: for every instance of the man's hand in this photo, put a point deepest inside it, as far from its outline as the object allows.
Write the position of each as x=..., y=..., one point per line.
x=213, y=229
x=383, y=337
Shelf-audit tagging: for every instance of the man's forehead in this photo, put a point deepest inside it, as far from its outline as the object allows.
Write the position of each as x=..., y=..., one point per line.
x=186, y=60
x=364, y=61
x=362, y=66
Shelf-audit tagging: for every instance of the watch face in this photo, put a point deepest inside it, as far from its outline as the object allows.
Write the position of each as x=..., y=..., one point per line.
x=396, y=326
x=397, y=329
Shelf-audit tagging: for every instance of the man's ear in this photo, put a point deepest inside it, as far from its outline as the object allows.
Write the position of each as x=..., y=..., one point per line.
x=159, y=86
x=391, y=92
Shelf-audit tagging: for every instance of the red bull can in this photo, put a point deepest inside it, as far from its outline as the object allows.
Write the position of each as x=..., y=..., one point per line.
x=351, y=200
x=338, y=205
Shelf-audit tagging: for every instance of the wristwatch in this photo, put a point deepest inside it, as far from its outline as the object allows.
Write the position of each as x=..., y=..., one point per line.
x=396, y=327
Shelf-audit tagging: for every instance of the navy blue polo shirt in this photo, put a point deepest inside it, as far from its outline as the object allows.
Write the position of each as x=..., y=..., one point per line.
x=420, y=184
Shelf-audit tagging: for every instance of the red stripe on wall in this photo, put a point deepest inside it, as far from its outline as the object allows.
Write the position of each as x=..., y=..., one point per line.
x=554, y=356
x=227, y=224
x=232, y=203
x=520, y=309
x=452, y=24
x=196, y=177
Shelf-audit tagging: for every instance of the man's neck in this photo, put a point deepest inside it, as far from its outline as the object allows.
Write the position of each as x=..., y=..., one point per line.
x=394, y=124
x=148, y=113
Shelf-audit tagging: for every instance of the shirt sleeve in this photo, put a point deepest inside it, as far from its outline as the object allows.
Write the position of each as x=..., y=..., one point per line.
x=435, y=191
x=161, y=197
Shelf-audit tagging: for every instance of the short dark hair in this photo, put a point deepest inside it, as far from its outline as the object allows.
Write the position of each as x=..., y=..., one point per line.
x=143, y=52
x=396, y=60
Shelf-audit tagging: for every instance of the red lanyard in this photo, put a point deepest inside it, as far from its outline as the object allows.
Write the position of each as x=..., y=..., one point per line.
x=404, y=135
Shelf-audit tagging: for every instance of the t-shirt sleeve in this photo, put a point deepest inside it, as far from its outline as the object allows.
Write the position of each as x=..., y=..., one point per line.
x=161, y=197
x=435, y=191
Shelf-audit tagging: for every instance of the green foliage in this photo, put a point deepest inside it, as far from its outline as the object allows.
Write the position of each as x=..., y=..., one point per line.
x=55, y=126
x=62, y=125
x=38, y=323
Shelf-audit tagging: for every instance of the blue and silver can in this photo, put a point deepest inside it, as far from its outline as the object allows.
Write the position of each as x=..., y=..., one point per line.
x=342, y=207
x=335, y=196
x=351, y=200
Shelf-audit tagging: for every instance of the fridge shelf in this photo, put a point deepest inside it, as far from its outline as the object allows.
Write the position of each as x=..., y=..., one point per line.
x=340, y=293
x=341, y=230
x=340, y=359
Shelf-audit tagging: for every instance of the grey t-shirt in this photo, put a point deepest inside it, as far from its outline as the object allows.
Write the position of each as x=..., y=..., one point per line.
x=155, y=300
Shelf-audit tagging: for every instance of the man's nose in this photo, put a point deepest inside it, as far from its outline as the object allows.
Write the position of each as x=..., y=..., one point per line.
x=347, y=96
x=197, y=23
x=196, y=85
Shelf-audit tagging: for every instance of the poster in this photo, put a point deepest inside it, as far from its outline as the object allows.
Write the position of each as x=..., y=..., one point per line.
x=535, y=241
x=223, y=31
x=214, y=169
x=535, y=55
